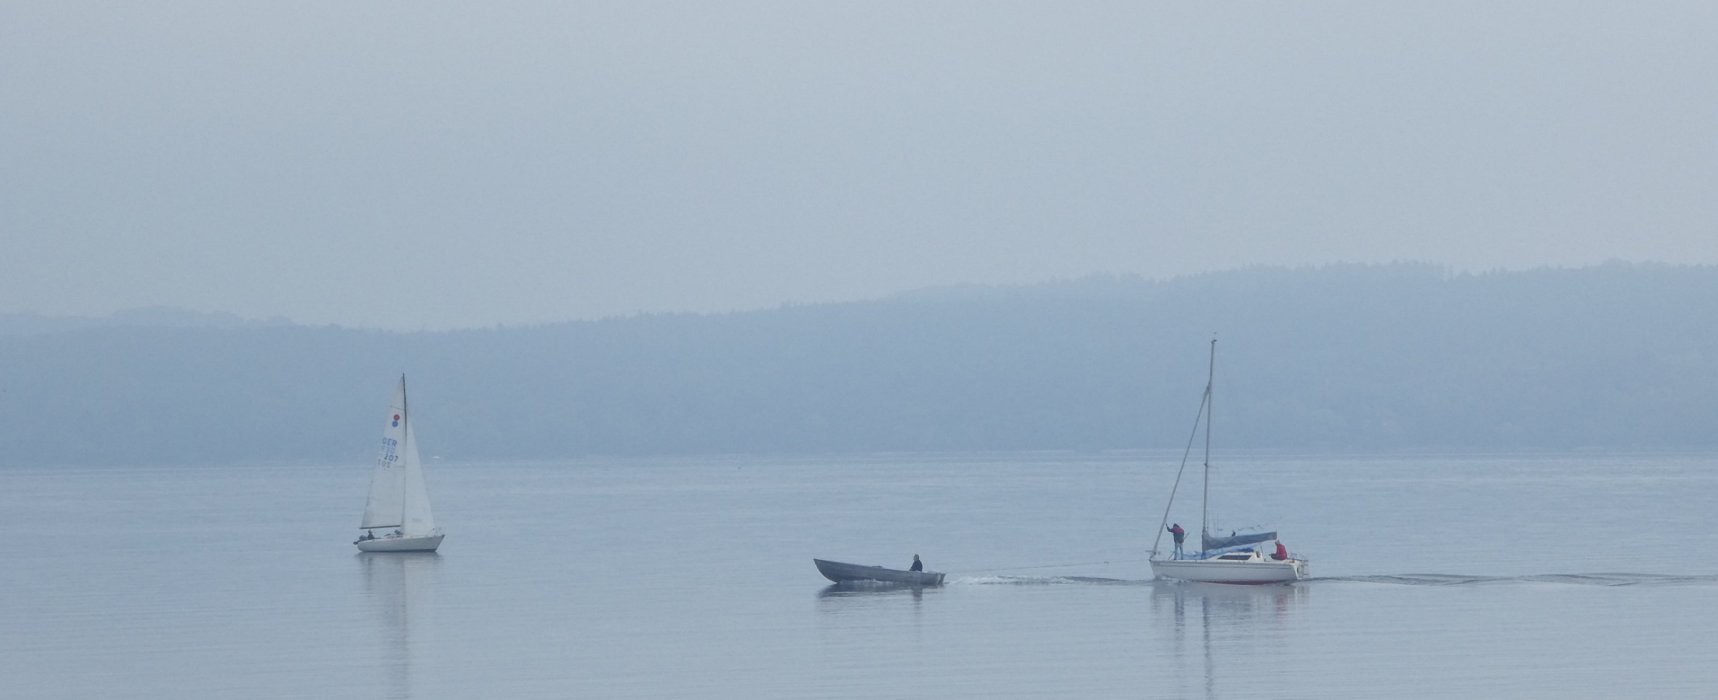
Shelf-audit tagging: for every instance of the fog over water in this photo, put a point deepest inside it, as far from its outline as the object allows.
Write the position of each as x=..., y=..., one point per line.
x=690, y=294
x=431, y=166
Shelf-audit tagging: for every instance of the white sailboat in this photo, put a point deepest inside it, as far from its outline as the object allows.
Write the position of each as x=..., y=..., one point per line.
x=399, y=501
x=1235, y=558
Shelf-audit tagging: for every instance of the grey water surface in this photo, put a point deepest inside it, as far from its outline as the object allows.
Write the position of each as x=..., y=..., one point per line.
x=1538, y=576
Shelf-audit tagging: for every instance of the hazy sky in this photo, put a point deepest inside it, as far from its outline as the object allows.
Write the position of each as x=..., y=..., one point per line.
x=429, y=165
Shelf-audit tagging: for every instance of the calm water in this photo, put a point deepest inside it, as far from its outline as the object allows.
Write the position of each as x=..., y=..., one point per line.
x=1544, y=576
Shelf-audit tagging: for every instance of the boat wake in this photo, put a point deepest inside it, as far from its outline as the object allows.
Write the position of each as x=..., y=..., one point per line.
x=1601, y=579
x=1608, y=579
x=1044, y=581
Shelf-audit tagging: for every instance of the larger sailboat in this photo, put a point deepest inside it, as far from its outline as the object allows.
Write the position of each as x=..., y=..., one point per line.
x=1232, y=558
x=399, y=501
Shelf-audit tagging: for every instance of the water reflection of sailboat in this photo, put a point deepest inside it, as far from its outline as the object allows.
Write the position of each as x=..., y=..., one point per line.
x=1246, y=604
x=398, y=587
x=1222, y=611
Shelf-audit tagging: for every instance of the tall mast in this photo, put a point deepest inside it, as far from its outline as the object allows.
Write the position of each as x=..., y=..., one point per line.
x=1205, y=502
x=406, y=439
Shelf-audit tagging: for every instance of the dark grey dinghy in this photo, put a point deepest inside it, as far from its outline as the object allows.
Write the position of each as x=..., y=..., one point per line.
x=855, y=573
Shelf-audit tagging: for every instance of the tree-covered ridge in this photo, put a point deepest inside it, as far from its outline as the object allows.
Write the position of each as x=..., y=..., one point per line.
x=1342, y=357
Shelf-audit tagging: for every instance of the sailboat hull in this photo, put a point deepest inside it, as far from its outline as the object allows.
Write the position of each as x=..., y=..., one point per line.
x=1236, y=572
x=401, y=544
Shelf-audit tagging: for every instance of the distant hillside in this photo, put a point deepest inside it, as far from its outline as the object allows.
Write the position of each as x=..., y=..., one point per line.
x=1344, y=357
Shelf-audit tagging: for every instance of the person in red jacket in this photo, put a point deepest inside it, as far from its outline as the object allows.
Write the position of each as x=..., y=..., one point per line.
x=1180, y=536
x=1282, y=552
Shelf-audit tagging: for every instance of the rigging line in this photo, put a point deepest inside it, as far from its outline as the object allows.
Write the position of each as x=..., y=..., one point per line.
x=1163, y=524
x=1210, y=408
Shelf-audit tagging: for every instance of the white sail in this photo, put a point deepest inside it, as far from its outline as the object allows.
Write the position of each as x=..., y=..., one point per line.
x=386, y=507
x=415, y=513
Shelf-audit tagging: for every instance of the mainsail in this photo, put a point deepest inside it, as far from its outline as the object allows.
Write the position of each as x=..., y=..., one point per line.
x=398, y=496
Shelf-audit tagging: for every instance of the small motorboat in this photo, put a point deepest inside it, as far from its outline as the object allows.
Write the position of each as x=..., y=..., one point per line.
x=859, y=573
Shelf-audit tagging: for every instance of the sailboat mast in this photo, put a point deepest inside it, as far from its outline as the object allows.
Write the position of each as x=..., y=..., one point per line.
x=406, y=439
x=1205, y=500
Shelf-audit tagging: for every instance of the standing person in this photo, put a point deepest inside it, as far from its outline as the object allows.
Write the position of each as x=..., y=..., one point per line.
x=917, y=565
x=1282, y=552
x=1180, y=536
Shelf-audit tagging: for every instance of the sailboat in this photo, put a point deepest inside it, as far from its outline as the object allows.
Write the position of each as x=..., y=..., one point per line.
x=399, y=501
x=1232, y=558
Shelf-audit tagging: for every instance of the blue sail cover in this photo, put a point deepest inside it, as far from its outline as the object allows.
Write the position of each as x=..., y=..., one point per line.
x=1234, y=540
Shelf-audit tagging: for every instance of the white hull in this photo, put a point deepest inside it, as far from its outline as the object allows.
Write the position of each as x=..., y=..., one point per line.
x=401, y=544
x=1255, y=571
